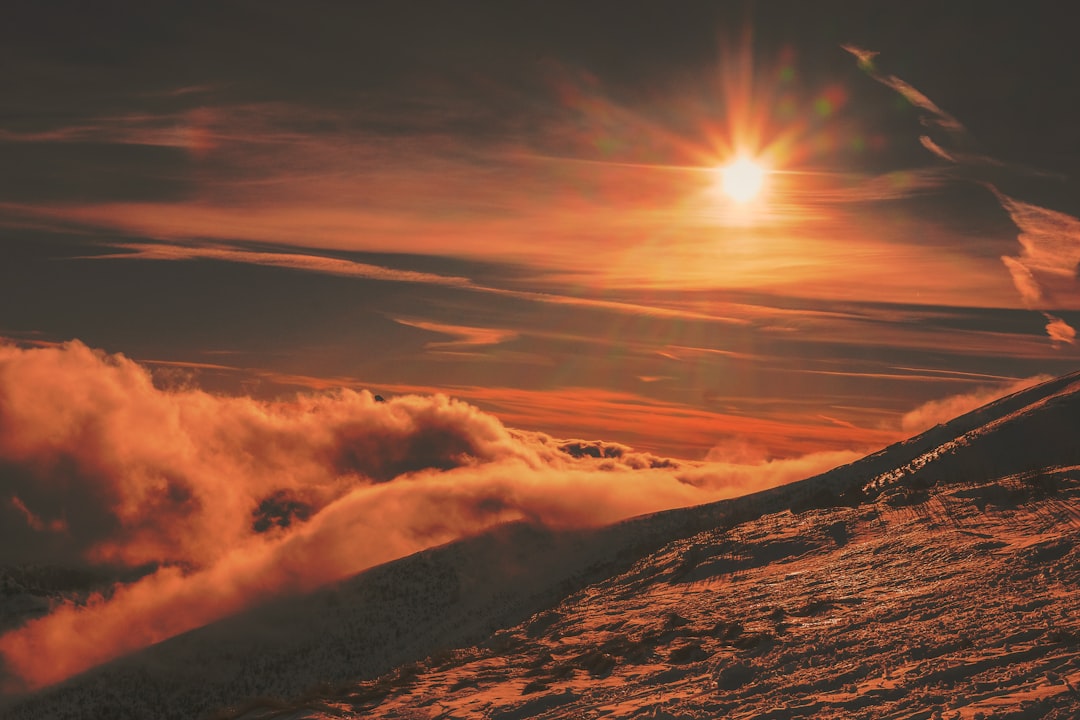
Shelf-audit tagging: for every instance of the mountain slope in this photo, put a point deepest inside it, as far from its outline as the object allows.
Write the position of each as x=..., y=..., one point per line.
x=963, y=603
x=1022, y=448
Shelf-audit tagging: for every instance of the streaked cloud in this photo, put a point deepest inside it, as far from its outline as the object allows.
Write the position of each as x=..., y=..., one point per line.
x=1045, y=272
x=639, y=251
x=311, y=262
x=1060, y=332
x=464, y=337
x=294, y=261
x=938, y=117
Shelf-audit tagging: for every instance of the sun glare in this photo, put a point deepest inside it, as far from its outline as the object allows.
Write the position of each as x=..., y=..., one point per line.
x=743, y=179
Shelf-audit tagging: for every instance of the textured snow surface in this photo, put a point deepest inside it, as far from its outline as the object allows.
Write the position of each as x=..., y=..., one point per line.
x=960, y=602
x=935, y=578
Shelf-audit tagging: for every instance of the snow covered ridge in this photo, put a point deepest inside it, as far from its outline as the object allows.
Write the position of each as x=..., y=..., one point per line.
x=1014, y=434
x=961, y=605
x=700, y=612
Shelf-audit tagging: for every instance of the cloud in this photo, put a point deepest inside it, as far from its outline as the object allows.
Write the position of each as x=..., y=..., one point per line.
x=75, y=446
x=1060, y=332
x=33, y=521
x=225, y=501
x=1045, y=271
x=750, y=474
x=317, y=263
x=295, y=261
x=937, y=116
x=942, y=410
x=691, y=429
x=464, y=336
x=1024, y=281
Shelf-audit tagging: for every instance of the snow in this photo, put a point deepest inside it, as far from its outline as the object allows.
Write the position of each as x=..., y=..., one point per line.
x=938, y=607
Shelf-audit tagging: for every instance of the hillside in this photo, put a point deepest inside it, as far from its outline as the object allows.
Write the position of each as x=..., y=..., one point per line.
x=961, y=602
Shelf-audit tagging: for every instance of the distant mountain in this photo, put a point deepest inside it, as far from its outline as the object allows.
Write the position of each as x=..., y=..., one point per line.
x=936, y=578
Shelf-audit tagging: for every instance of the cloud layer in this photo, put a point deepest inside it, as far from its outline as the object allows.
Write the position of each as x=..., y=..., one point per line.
x=229, y=500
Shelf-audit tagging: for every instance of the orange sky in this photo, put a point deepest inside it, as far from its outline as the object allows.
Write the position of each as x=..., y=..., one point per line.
x=597, y=258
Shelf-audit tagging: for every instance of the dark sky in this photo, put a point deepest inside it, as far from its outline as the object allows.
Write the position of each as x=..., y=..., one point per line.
x=1009, y=70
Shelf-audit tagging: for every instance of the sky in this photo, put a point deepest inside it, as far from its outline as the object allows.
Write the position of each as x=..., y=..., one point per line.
x=224, y=227
x=518, y=205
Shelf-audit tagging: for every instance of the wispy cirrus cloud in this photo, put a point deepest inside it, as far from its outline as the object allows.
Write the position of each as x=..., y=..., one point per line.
x=1045, y=273
x=465, y=337
x=938, y=117
x=199, y=129
x=1060, y=332
x=293, y=261
x=644, y=247
x=1047, y=270
x=323, y=264
x=844, y=323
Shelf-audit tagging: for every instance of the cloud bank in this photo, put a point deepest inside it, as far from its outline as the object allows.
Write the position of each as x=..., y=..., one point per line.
x=226, y=501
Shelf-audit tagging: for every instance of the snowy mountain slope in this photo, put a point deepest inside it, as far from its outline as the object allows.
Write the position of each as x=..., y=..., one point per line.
x=458, y=594
x=962, y=605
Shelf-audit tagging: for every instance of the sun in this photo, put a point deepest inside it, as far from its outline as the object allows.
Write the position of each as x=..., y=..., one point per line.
x=742, y=179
